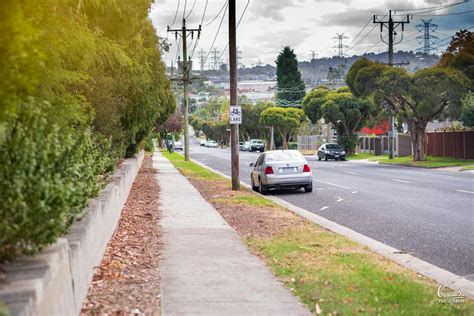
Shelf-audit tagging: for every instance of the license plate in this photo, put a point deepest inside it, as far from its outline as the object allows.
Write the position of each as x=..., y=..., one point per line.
x=288, y=169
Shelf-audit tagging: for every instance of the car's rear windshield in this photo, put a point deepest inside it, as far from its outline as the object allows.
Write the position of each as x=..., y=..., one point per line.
x=257, y=141
x=333, y=146
x=284, y=156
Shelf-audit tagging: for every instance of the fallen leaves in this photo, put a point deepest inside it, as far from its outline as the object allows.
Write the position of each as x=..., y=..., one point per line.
x=127, y=280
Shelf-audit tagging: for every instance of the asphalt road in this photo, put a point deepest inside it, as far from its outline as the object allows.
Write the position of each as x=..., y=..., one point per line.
x=427, y=213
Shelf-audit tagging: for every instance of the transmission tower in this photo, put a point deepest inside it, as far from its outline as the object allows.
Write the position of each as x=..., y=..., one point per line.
x=427, y=27
x=313, y=55
x=340, y=44
x=239, y=57
x=215, y=59
x=202, y=59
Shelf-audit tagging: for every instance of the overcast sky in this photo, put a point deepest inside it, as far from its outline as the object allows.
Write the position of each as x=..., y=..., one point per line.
x=305, y=25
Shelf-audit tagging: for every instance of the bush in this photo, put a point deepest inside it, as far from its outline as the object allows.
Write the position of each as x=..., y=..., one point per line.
x=292, y=145
x=48, y=173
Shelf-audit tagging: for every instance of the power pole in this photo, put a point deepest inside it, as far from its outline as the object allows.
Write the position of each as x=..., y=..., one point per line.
x=391, y=25
x=234, y=128
x=184, y=33
x=202, y=59
x=427, y=38
x=340, y=44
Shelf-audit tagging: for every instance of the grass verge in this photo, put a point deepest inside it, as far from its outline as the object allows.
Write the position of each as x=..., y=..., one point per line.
x=361, y=156
x=430, y=162
x=331, y=274
x=469, y=167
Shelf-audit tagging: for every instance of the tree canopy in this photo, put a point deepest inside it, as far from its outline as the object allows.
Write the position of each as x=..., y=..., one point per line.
x=430, y=93
x=290, y=86
x=285, y=121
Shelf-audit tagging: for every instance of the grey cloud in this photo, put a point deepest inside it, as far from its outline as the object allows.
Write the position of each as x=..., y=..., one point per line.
x=272, y=9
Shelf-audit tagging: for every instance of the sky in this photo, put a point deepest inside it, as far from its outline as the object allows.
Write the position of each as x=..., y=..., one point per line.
x=304, y=25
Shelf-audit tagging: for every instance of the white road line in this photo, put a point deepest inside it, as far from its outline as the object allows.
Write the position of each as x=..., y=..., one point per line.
x=339, y=200
x=350, y=172
x=336, y=185
x=402, y=181
x=469, y=192
x=323, y=208
x=354, y=192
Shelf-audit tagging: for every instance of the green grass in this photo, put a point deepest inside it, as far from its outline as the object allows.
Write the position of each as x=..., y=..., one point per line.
x=248, y=199
x=465, y=168
x=3, y=310
x=361, y=156
x=345, y=279
x=189, y=168
x=430, y=162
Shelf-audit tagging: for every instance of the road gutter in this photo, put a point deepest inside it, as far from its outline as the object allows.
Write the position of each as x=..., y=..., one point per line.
x=443, y=277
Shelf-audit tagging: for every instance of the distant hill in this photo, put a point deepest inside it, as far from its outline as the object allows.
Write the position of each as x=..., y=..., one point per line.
x=317, y=70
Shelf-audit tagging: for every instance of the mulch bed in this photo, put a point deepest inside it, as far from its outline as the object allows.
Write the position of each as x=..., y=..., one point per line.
x=247, y=220
x=127, y=282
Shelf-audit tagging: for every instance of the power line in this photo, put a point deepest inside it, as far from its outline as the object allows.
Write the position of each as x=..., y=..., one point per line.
x=192, y=8
x=217, y=33
x=435, y=8
x=184, y=11
x=238, y=23
x=370, y=19
x=204, y=13
x=218, y=14
x=176, y=13
x=448, y=14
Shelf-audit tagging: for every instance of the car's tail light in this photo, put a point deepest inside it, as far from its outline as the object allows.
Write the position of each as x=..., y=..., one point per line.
x=268, y=170
x=306, y=168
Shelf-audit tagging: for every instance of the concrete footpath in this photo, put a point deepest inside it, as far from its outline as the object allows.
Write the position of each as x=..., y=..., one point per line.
x=205, y=267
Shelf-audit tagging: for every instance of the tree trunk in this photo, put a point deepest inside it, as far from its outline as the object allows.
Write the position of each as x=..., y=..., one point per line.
x=417, y=131
x=284, y=140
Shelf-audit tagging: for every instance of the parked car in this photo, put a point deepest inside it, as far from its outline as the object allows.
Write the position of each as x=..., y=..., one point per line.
x=331, y=151
x=178, y=145
x=246, y=146
x=257, y=145
x=281, y=169
x=202, y=142
x=211, y=144
x=241, y=145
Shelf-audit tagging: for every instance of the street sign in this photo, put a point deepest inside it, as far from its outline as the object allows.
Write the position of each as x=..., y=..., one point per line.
x=235, y=114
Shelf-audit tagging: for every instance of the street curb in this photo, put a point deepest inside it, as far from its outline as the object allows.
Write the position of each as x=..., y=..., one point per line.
x=443, y=277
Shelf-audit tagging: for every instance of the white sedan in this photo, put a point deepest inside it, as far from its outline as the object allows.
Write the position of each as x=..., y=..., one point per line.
x=211, y=144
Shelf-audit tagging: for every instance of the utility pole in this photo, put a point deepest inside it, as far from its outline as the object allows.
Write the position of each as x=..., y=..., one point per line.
x=184, y=32
x=234, y=128
x=313, y=55
x=340, y=44
x=391, y=25
x=427, y=27
x=202, y=59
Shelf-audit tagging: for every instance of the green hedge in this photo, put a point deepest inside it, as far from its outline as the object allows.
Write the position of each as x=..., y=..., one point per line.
x=292, y=145
x=48, y=173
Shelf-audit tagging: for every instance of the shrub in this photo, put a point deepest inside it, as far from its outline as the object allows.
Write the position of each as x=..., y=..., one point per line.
x=48, y=173
x=292, y=145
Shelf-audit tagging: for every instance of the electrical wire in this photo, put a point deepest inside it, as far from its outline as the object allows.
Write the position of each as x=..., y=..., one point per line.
x=192, y=8
x=238, y=23
x=353, y=40
x=218, y=14
x=184, y=11
x=448, y=14
x=176, y=14
x=217, y=33
x=435, y=8
x=204, y=13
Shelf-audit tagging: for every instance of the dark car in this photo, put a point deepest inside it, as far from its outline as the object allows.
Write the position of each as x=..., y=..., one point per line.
x=331, y=151
x=257, y=145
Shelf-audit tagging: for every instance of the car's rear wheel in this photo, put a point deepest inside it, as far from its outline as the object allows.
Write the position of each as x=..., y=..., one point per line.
x=308, y=188
x=325, y=157
x=262, y=188
x=319, y=157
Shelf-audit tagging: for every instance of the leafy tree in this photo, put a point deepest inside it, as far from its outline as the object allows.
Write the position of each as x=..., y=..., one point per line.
x=313, y=101
x=467, y=116
x=428, y=94
x=285, y=121
x=460, y=54
x=251, y=127
x=291, y=88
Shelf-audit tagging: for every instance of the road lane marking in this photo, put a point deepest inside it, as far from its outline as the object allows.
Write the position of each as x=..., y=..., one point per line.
x=463, y=191
x=402, y=181
x=339, y=200
x=350, y=172
x=354, y=192
x=336, y=185
x=323, y=208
